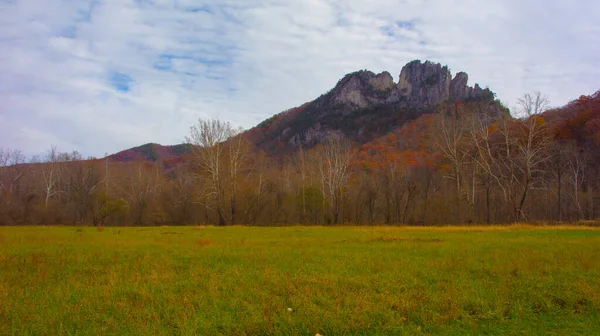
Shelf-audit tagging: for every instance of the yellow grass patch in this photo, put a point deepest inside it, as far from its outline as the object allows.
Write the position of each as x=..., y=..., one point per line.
x=204, y=242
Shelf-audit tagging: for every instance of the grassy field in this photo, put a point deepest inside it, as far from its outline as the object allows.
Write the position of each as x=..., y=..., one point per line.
x=336, y=281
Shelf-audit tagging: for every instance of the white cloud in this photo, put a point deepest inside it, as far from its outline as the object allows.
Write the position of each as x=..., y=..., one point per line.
x=243, y=61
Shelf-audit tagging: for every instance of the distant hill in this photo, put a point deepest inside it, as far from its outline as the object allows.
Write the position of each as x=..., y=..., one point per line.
x=153, y=152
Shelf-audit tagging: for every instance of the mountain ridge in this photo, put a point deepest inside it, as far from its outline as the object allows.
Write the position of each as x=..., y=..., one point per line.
x=362, y=106
x=151, y=152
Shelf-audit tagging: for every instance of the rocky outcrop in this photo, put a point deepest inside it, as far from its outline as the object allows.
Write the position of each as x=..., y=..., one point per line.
x=428, y=83
x=382, y=82
x=364, y=104
x=362, y=89
x=458, y=87
x=420, y=85
x=459, y=90
x=349, y=92
x=314, y=135
x=424, y=84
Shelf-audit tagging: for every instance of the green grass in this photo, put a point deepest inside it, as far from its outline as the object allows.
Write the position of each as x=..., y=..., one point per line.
x=337, y=281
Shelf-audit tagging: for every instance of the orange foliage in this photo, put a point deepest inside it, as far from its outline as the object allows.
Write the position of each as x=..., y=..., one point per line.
x=582, y=122
x=406, y=147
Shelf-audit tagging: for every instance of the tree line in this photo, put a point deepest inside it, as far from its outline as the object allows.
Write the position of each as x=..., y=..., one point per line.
x=462, y=164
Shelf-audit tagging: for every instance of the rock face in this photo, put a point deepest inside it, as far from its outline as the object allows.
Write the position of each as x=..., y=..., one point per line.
x=458, y=87
x=382, y=82
x=419, y=85
x=460, y=91
x=364, y=104
x=349, y=89
x=424, y=83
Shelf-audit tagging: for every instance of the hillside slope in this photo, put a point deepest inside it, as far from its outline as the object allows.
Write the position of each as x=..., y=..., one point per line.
x=364, y=106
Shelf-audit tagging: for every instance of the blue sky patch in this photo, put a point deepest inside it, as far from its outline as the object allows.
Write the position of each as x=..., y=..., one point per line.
x=69, y=32
x=163, y=63
x=196, y=9
x=409, y=25
x=120, y=81
x=396, y=29
x=85, y=15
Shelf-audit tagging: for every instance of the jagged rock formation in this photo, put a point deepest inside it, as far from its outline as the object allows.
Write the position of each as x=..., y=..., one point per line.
x=424, y=83
x=419, y=85
x=364, y=105
x=382, y=82
x=458, y=86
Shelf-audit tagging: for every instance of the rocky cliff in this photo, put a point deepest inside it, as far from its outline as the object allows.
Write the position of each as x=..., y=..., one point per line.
x=419, y=85
x=364, y=105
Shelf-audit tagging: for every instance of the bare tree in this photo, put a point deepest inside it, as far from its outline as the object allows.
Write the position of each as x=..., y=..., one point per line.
x=9, y=168
x=11, y=174
x=450, y=137
x=257, y=183
x=333, y=169
x=512, y=152
x=238, y=150
x=81, y=183
x=207, y=138
x=577, y=163
x=558, y=165
x=532, y=143
x=533, y=104
x=492, y=155
x=50, y=174
x=140, y=184
x=178, y=196
x=300, y=162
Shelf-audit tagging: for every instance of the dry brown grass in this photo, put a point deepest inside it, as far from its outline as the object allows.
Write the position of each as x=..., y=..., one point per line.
x=204, y=242
x=389, y=239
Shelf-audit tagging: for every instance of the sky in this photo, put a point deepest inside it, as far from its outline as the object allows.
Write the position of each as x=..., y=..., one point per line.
x=100, y=76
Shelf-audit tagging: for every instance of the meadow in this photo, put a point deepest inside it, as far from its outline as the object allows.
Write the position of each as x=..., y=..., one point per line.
x=300, y=281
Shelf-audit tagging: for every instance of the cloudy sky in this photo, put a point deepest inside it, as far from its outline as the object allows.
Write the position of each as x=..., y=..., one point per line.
x=104, y=75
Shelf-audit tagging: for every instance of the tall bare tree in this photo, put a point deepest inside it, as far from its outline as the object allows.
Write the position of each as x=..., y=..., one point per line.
x=333, y=170
x=532, y=143
x=81, y=184
x=577, y=163
x=512, y=152
x=207, y=138
x=558, y=166
x=300, y=162
x=10, y=160
x=450, y=137
x=11, y=174
x=238, y=149
x=50, y=167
